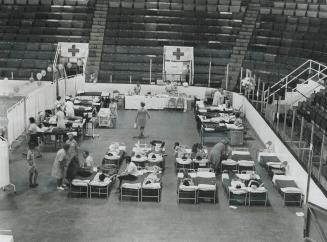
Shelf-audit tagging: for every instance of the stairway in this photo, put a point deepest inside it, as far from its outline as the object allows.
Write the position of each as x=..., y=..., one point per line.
x=242, y=42
x=96, y=37
x=301, y=92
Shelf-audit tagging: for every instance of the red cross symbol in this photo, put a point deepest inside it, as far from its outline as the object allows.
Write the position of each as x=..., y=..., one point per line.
x=73, y=50
x=178, y=54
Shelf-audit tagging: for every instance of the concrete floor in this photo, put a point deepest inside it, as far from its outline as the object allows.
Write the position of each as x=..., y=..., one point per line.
x=44, y=214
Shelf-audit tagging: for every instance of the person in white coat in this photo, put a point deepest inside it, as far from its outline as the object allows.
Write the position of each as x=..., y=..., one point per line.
x=69, y=107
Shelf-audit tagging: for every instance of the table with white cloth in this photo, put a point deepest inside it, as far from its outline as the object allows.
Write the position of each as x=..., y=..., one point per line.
x=157, y=102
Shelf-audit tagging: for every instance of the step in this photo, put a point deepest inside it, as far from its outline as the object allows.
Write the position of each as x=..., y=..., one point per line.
x=100, y=27
x=95, y=46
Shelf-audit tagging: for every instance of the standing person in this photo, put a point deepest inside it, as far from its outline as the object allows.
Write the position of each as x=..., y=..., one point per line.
x=73, y=146
x=69, y=107
x=72, y=169
x=216, y=98
x=60, y=119
x=186, y=74
x=32, y=172
x=137, y=88
x=141, y=118
x=58, y=168
x=216, y=154
x=113, y=113
x=58, y=103
x=33, y=136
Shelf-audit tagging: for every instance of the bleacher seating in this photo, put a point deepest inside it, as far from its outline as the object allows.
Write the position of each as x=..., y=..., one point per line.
x=287, y=34
x=138, y=28
x=30, y=31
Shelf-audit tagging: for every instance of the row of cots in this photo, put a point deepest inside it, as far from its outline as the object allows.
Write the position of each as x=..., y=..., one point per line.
x=235, y=179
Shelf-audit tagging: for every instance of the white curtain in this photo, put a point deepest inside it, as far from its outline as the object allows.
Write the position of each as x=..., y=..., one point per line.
x=16, y=121
x=4, y=164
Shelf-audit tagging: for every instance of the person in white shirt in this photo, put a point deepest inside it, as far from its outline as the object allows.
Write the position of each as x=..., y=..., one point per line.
x=88, y=163
x=130, y=173
x=217, y=98
x=32, y=132
x=69, y=107
x=137, y=89
x=60, y=119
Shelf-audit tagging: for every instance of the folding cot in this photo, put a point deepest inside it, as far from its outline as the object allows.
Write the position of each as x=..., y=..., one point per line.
x=264, y=157
x=151, y=190
x=186, y=193
x=204, y=187
x=207, y=185
x=287, y=187
x=235, y=187
x=140, y=190
x=156, y=159
x=80, y=185
x=100, y=188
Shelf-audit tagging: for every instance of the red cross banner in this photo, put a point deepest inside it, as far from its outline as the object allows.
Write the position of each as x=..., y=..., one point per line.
x=178, y=64
x=74, y=50
x=178, y=53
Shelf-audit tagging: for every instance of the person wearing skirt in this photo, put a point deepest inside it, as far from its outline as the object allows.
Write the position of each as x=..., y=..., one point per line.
x=141, y=119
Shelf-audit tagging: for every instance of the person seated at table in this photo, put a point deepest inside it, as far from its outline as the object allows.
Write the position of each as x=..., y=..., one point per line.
x=137, y=88
x=60, y=118
x=69, y=107
x=130, y=173
x=88, y=160
x=187, y=179
x=238, y=121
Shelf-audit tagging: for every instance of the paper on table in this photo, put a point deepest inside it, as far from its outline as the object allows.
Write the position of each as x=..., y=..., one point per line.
x=233, y=207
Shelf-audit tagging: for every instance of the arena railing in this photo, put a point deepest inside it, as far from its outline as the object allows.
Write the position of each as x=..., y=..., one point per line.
x=297, y=133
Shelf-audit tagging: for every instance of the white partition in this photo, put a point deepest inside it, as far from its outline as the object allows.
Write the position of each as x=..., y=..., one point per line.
x=71, y=85
x=4, y=163
x=265, y=133
x=39, y=98
x=16, y=121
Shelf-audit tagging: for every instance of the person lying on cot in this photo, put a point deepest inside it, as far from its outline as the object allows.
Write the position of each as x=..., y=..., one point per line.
x=238, y=121
x=253, y=182
x=187, y=179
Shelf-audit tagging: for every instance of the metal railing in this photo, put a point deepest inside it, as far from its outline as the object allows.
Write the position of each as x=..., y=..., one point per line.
x=309, y=66
x=298, y=133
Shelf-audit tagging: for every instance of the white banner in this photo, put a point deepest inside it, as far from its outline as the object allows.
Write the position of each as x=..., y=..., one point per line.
x=178, y=53
x=74, y=50
x=178, y=64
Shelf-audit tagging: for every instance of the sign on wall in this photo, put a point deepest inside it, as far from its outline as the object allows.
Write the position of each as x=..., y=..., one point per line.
x=178, y=64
